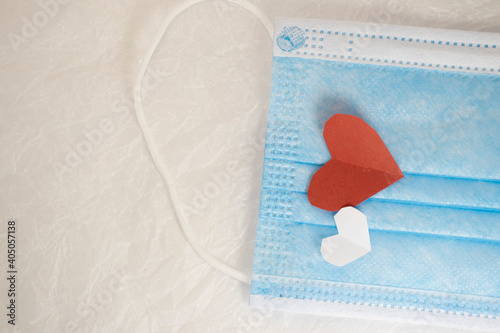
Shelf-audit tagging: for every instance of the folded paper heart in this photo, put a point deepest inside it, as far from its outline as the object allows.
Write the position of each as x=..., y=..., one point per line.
x=352, y=241
x=361, y=165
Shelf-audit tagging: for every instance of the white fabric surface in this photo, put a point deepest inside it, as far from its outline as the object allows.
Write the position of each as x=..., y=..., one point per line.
x=99, y=247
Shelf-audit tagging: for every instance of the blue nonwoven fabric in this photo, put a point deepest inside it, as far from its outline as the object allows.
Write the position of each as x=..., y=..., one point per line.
x=435, y=234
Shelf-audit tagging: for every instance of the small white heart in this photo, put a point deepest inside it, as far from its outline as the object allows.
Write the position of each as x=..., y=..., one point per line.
x=352, y=241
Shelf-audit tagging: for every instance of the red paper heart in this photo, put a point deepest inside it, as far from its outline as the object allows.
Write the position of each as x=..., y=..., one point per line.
x=361, y=165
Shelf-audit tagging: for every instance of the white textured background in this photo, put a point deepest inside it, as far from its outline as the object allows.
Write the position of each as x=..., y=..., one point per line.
x=99, y=249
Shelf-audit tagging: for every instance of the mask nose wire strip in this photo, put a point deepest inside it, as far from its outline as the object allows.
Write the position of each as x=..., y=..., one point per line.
x=162, y=169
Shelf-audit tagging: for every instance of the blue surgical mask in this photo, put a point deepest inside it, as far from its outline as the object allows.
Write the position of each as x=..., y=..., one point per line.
x=433, y=96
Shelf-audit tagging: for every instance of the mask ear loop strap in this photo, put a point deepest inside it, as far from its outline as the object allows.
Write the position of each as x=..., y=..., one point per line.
x=162, y=169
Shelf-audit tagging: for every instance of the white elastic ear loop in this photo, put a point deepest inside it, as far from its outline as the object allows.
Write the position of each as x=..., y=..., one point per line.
x=152, y=146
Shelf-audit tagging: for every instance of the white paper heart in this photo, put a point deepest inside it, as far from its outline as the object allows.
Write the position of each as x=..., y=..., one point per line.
x=352, y=240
